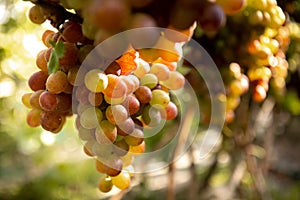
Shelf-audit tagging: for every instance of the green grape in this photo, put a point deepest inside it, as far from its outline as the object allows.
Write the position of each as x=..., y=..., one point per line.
x=135, y=138
x=36, y=15
x=34, y=99
x=102, y=151
x=161, y=71
x=106, y=133
x=114, y=101
x=57, y=82
x=116, y=114
x=85, y=134
x=149, y=80
x=95, y=80
x=38, y=80
x=142, y=68
x=132, y=83
x=121, y=148
x=122, y=181
x=26, y=100
x=76, y=4
x=151, y=116
x=91, y=117
x=127, y=159
x=105, y=184
x=175, y=81
x=95, y=99
x=160, y=99
x=88, y=29
x=116, y=87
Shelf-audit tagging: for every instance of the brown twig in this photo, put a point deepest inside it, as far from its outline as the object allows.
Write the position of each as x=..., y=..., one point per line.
x=56, y=13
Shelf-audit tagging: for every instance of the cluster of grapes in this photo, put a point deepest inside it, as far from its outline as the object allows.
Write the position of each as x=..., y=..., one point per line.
x=51, y=99
x=113, y=103
x=114, y=106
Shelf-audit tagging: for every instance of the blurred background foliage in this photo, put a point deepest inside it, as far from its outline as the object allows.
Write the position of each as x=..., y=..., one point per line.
x=35, y=164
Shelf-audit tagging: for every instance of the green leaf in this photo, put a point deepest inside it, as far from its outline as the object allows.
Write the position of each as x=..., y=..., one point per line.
x=58, y=50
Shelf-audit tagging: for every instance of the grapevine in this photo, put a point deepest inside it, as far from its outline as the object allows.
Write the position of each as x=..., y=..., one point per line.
x=129, y=87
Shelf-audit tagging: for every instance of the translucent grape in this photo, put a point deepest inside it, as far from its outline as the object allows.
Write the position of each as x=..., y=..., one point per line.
x=96, y=81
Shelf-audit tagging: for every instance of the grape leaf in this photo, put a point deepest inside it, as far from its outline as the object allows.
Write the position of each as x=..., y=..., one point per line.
x=58, y=50
x=127, y=62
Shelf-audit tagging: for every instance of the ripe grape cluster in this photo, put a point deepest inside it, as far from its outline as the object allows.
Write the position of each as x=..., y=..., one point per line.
x=114, y=103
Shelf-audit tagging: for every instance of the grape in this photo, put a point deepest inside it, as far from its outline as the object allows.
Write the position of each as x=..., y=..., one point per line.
x=51, y=121
x=102, y=151
x=37, y=81
x=182, y=18
x=127, y=159
x=231, y=7
x=96, y=81
x=170, y=112
x=57, y=82
x=33, y=117
x=26, y=100
x=175, y=81
x=121, y=181
x=142, y=68
x=143, y=94
x=95, y=99
x=48, y=101
x=151, y=116
x=87, y=148
x=112, y=166
x=113, y=68
x=64, y=102
x=138, y=149
x=160, y=99
x=114, y=101
x=70, y=55
x=116, y=114
x=82, y=94
x=106, y=133
x=146, y=37
x=132, y=83
x=110, y=15
x=34, y=99
x=121, y=147
x=116, y=87
x=36, y=15
x=135, y=138
x=211, y=17
x=132, y=104
x=148, y=54
x=160, y=70
x=91, y=117
x=72, y=32
x=149, y=80
x=126, y=127
x=105, y=184
x=85, y=134
x=47, y=36
x=41, y=61
x=72, y=76
x=259, y=93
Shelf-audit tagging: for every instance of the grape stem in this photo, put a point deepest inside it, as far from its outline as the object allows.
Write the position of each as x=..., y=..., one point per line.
x=56, y=13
